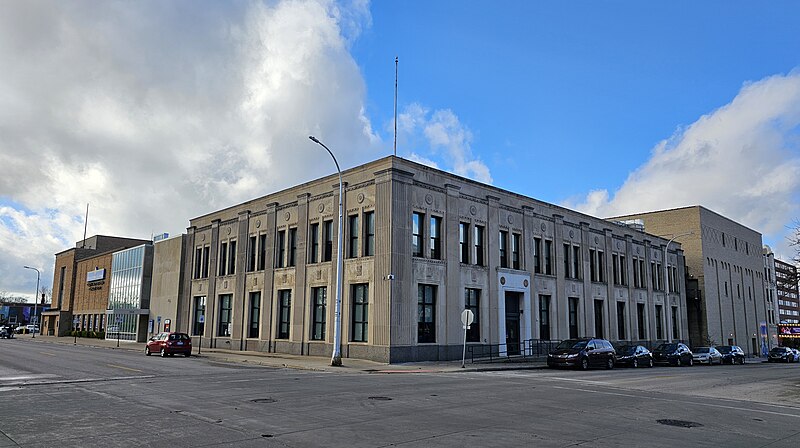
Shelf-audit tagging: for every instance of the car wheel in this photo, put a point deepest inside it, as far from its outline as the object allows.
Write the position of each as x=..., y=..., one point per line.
x=147, y=351
x=635, y=363
x=187, y=354
x=678, y=362
x=163, y=353
x=650, y=363
x=691, y=362
x=610, y=363
x=584, y=364
x=741, y=361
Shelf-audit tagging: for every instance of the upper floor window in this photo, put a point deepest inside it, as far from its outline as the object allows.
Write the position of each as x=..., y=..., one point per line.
x=292, y=246
x=548, y=257
x=416, y=234
x=463, y=242
x=327, y=239
x=537, y=255
x=262, y=251
x=313, y=239
x=369, y=234
x=515, y=249
x=478, y=241
x=353, y=244
x=503, y=249
x=251, y=253
x=223, y=258
x=280, y=249
x=436, y=238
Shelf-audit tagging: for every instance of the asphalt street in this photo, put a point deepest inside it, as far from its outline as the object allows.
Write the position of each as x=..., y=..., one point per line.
x=77, y=396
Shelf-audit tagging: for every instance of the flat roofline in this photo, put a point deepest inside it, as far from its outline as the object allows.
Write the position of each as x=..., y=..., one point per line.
x=699, y=207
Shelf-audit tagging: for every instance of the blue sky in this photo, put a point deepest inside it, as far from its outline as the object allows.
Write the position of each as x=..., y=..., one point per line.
x=157, y=112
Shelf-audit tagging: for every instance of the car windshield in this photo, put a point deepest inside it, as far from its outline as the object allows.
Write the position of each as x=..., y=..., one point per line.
x=627, y=350
x=702, y=350
x=778, y=350
x=571, y=343
x=667, y=347
x=724, y=349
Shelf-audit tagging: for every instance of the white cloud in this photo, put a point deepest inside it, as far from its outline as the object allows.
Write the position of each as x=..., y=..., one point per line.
x=449, y=140
x=742, y=160
x=156, y=112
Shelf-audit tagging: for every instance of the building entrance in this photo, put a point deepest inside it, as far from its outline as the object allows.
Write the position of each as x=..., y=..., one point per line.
x=512, y=322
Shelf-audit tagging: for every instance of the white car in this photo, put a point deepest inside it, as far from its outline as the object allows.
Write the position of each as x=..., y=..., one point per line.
x=706, y=355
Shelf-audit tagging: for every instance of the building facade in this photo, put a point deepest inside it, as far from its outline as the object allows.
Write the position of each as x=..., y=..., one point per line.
x=725, y=266
x=420, y=246
x=128, y=305
x=786, y=285
x=167, y=284
x=771, y=295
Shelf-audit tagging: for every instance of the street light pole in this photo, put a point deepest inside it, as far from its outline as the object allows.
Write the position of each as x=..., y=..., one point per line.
x=666, y=269
x=336, y=357
x=35, y=301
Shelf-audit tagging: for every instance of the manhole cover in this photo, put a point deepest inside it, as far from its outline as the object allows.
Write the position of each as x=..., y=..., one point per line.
x=263, y=400
x=679, y=423
x=380, y=398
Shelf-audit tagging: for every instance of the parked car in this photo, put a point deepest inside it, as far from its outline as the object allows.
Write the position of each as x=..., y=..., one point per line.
x=707, y=355
x=796, y=355
x=583, y=353
x=32, y=328
x=675, y=354
x=634, y=356
x=169, y=343
x=7, y=332
x=781, y=354
x=731, y=354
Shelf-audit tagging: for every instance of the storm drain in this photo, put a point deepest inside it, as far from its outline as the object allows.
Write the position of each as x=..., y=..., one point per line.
x=263, y=400
x=380, y=398
x=679, y=423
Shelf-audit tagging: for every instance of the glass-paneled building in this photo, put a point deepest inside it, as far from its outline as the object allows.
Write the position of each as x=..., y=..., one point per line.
x=129, y=295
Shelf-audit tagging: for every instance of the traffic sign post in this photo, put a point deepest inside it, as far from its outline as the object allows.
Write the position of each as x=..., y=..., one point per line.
x=119, y=321
x=467, y=317
x=201, y=319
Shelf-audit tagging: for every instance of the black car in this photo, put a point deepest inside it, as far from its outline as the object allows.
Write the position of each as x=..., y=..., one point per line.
x=675, y=354
x=583, y=353
x=634, y=356
x=731, y=354
x=781, y=354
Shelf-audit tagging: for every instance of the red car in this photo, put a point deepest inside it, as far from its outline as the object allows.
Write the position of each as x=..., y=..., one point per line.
x=169, y=343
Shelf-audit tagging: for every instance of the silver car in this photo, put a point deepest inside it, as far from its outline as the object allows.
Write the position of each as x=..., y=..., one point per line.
x=707, y=355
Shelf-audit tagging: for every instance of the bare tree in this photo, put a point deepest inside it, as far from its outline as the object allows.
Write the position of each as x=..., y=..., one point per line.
x=47, y=293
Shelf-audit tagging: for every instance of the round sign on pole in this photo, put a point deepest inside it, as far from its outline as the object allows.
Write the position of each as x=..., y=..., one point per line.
x=467, y=317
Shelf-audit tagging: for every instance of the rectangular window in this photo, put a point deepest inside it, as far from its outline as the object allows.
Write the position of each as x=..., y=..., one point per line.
x=352, y=224
x=548, y=257
x=280, y=249
x=593, y=265
x=640, y=320
x=284, y=313
x=206, y=258
x=573, y=317
x=654, y=275
x=599, y=319
x=416, y=234
x=515, y=243
x=313, y=247
x=601, y=269
x=223, y=254
x=576, y=262
x=621, y=321
x=255, y=315
x=636, y=283
x=198, y=262
x=615, y=268
x=426, y=314
x=232, y=258
x=327, y=238
x=642, y=275
x=292, y=246
x=472, y=302
x=224, y=329
x=537, y=255
x=675, y=322
x=198, y=323
x=544, y=318
x=61, y=285
x=251, y=253
x=479, y=245
x=623, y=271
x=360, y=317
x=567, y=263
x=369, y=234
x=262, y=252
x=659, y=323
x=436, y=238
x=320, y=297
x=503, y=249
x=463, y=242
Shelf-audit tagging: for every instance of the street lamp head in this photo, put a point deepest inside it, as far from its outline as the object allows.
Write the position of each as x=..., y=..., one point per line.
x=313, y=139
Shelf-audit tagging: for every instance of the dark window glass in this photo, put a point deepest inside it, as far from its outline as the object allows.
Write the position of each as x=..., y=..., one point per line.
x=292, y=246
x=615, y=267
x=472, y=303
x=463, y=242
x=284, y=313
x=623, y=271
x=675, y=322
x=319, y=296
x=360, y=320
x=567, y=264
x=416, y=234
x=313, y=249
x=621, y=320
x=503, y=249
x=262, y=252
x=369, y=234
x=598, y=319
x=436, y=238
x=198, y=323
x=537, y=255
x=280, y=249
x=544, y=318
x=255, y=315
x=223, y=254
x=659, y=323
x=479, y=245
x=327, y=238
x=641, y=321
x=576, y=261
x=548, y=257
x=353, y=244
x=251, y=254
x=573, y=317
x=515, y=240
x=232, y=258
x=601, y=269
x=206, y=258
x=426, y=314
x=224, y=329
x=198, y=262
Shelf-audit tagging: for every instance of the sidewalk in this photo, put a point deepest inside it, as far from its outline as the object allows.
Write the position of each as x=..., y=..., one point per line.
x=301, y=362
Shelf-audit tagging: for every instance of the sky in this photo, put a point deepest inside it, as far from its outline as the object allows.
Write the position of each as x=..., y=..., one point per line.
x=157, y=112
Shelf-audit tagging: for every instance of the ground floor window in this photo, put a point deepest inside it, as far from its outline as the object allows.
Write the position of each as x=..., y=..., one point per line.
x=284, y=313
x=224, y=328
x=640, y=320
x=675, y=322
x=255, y=315
x=319, y=297
x=544, y=318
x=659, y=323
x=198, y=323
x=573, y=317
x=426, y=314
x=598, y=319
x=621, y=321
x=472, y=302
x=360, y=319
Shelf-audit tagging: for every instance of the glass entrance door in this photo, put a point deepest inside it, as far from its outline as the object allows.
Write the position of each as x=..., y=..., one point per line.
x=512, y=323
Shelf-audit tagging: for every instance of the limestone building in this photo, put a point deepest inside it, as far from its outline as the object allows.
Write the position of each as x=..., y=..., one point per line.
x=726, y=281
x=420, y=246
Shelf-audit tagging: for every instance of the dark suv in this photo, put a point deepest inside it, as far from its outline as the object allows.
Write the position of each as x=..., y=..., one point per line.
x=675, y=353
x=731, y=354
x=782, y=354
x=583, y=353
